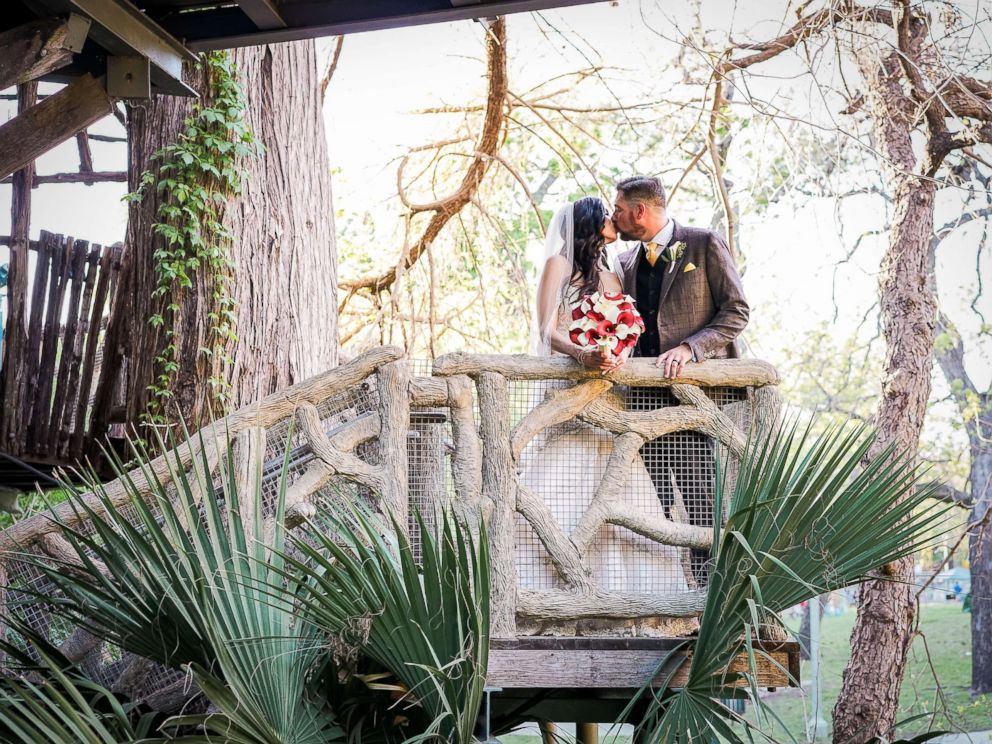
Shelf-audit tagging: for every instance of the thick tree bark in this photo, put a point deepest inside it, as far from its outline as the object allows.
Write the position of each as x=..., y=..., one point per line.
x=882, y=634
x=284, y=274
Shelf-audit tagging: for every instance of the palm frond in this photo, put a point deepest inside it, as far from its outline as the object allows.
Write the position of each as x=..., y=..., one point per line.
x=52, y=702
x=185, y=584
x=427, y=624
x=806, y=517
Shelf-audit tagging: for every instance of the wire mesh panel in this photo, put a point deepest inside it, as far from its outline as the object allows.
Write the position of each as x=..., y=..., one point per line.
x=672, y=477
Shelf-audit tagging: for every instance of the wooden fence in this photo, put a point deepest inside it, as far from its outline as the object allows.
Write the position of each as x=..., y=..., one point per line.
x=55, y=369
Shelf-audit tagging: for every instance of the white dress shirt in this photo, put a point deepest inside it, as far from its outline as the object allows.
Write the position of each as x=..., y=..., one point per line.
x=664, y=236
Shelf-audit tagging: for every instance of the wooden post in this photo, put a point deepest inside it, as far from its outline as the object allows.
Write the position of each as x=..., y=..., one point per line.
x=78, y=348
x=69, y=361
x=499, y=489
x=38, y=129
x=59, y=276
x=12, y=376
x=587, y=733
x=393, y=383
x=466, y=462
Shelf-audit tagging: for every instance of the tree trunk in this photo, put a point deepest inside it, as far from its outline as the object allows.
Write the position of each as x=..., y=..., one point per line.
x=951, y=359
x=980, y=558
x=882, y=633
x=284, y=264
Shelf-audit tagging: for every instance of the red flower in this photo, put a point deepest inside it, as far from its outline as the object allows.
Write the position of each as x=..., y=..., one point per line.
x=574, y=335
x=593, y=315
x=626, y=307
x=626, y=317
x=606, y=328
x=613, y=296
x=576, y=313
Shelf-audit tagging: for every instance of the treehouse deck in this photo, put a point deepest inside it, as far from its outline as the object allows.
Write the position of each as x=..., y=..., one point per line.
x=494, y=438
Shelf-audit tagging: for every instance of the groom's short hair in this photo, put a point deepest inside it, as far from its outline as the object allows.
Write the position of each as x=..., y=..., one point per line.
x=644, y=189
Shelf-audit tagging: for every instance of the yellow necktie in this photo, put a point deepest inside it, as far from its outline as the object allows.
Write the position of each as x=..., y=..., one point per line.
x=652, y=250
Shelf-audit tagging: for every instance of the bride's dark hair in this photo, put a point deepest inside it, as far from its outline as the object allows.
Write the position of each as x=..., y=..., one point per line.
x=588, y=257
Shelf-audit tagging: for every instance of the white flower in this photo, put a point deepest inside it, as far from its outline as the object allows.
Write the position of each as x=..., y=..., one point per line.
x=623, y=330
x=609, y=342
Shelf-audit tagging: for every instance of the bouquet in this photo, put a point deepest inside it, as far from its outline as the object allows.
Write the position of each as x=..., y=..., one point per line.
x=606, y=320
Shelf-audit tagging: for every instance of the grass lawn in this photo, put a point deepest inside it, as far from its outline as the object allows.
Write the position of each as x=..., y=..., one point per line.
x=32, y=503
x=948, y=635
x=947, y=632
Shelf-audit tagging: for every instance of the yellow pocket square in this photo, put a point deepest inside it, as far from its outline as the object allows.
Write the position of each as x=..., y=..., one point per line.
x=689, y=267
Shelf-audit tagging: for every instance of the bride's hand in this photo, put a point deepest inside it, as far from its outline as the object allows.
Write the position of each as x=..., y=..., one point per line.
x=598, y=358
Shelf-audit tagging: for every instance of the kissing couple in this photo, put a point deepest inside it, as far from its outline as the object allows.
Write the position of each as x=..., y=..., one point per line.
x=683, y=280
x=687, y=289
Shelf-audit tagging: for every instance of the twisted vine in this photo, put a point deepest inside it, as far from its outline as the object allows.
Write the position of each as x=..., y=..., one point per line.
x=195, y=175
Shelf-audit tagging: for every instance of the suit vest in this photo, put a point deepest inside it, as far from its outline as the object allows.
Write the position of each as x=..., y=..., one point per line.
x=648, y=281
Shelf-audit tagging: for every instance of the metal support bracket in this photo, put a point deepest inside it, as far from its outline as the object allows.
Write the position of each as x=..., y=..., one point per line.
x=129, y=77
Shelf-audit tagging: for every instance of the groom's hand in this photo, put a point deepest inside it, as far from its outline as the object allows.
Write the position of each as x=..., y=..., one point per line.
x=673, y=360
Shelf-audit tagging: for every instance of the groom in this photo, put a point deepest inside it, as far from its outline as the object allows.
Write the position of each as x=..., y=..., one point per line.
x=689, y=293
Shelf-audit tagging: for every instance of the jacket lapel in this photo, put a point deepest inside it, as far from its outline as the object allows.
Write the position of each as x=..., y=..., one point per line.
x=671, y=272
x=629, y=278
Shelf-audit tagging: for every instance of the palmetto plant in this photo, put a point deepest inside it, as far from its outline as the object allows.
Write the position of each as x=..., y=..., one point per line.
x=806, y=517
x=430, y=629
x=191, y=583
x=52, y=701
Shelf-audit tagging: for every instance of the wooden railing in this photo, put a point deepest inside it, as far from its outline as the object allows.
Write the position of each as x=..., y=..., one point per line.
x=352, y=430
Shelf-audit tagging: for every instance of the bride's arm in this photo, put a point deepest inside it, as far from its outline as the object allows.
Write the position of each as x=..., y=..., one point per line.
x=610, y=282
x=555, y=276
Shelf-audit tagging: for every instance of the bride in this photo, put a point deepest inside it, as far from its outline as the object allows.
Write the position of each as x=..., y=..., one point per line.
x=565, y=465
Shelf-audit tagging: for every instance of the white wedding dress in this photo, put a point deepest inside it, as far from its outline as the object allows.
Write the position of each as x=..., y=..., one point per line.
x=564, y=466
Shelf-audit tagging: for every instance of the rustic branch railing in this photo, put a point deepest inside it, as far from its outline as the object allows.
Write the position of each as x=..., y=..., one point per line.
x=352, y=426
x=590, y=400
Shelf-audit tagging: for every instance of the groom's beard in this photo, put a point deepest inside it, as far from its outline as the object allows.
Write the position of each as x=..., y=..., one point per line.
x=627, y=236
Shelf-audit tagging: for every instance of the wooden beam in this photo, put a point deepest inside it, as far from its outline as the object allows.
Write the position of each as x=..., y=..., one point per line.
x=123, y=30
x=620, y=663
x=37, y=130
x=38, y=48
x=84, y=177
x=637, y=371
x=263, y=13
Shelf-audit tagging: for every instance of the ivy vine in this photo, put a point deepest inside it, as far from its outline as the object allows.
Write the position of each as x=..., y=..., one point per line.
x=195, y=176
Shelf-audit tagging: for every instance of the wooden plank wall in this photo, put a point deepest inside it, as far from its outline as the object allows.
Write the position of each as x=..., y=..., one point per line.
x=70, y=294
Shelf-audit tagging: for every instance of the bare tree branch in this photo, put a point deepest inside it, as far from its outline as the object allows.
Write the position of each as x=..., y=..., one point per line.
x=332, y=65
x=445, y=209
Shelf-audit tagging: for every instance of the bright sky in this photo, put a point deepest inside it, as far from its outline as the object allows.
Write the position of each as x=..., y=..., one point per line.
x=384, y=76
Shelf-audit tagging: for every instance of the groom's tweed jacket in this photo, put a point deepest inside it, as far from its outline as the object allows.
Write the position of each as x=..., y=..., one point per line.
x=704, y=308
